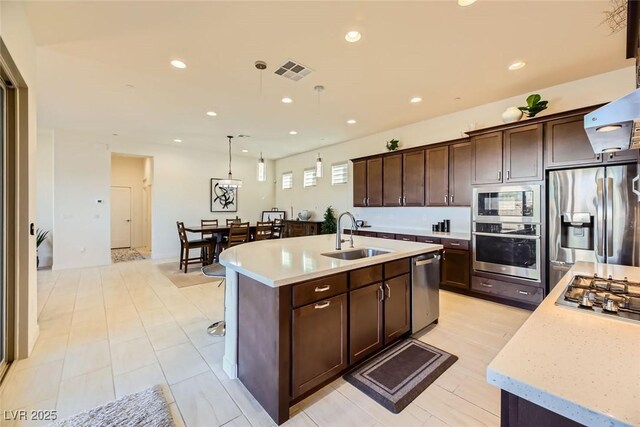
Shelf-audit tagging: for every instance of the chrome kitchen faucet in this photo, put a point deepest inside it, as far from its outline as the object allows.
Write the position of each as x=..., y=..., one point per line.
x=339, y=241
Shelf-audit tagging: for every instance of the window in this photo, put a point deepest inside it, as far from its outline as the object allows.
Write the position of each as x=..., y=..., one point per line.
x=287, y=180
x=310, y=179
x=339, y=173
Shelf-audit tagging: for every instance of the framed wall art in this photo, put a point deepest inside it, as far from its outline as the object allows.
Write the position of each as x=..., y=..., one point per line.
x=273, y=215
x=223, y=199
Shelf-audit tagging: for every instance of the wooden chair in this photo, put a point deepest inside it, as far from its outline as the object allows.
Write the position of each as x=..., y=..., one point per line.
x=277, y=229
x=233, y=221
x=209, y=234
x=238, y=234
x=264, y=230
x=205, y=246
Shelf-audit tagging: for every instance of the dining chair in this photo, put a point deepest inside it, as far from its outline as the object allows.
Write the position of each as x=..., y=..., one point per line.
x=233, y=221
x=210, y=234
x=205, y=246
x=277, y=229
x=238, y=234
x=264, y=230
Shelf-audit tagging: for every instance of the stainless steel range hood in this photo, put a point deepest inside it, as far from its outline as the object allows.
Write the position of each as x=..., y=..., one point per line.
x=615, y=126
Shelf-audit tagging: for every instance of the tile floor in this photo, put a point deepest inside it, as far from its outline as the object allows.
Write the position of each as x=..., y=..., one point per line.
x=106, y=332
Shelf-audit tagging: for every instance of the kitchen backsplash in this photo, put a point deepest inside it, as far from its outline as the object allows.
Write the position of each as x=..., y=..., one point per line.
x=420, y=218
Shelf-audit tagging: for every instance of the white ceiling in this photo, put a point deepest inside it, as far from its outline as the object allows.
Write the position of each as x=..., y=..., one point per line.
x=90, y=51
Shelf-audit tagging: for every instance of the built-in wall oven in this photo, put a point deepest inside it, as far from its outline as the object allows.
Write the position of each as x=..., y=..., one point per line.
x=507, y=232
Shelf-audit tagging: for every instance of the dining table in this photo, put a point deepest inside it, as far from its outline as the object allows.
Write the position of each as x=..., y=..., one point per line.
x=218, y=232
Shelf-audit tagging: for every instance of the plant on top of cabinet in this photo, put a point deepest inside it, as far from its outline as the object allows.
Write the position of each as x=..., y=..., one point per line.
x=534, y=105
x=393, y=145
x=329, y=225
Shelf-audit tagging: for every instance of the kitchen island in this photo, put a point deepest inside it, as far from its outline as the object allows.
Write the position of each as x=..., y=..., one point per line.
x=567, y=366
x=297, y=315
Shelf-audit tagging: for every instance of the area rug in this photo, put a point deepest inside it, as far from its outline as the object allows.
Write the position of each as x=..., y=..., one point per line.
x=397, y=376
x=194, y=277
x=125, y=255
x=147, y=408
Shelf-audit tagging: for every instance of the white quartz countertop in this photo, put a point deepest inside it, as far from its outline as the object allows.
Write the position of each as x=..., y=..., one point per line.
x=281, y=262
x=575, y=363
x=417, y=232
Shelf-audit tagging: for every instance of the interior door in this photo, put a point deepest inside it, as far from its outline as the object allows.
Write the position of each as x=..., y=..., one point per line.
x=120, y=217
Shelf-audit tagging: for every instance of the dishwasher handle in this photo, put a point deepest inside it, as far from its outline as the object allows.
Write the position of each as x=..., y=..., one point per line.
x=430, y=260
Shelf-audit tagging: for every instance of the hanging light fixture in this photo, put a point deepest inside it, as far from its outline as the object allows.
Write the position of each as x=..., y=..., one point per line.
x=319, y=167
x=230, y=182
x=262, y=169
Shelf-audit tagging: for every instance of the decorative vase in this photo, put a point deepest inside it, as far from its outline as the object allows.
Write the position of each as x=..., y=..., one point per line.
x=511, y=114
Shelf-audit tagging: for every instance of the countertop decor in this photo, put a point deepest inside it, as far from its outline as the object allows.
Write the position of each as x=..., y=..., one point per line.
x=329, y=225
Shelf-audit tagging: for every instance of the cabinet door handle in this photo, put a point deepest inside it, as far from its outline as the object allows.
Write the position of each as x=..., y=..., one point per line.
x=486, y=285
x=400, y=200
x=404, y=200
x=381, y=297
x=446, y=199
x=499, y=175
x=386, y=285
x=367, y=201
x=322, y=305
x=364, y=201
x=451, y=199
x=523, y=292
x=323, y=288
x=508, y=175
x=454, y=244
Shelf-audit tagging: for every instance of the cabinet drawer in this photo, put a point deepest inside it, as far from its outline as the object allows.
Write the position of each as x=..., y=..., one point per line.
x=365, y=276
x=386, y=235
x=455, y=244
x=320, y=289
x=425, y=239
x=366, y=233
x=513, y=291
x=405, y=237
x=396, y=268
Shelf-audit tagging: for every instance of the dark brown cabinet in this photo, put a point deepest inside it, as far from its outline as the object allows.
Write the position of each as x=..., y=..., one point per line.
x=486, y=154
x=455, y=268
x=366, y=320
x=397, y=318
x=448, y=175
x=413, y=175
x=319, y=342
x=294, y=228
x=523, y=154
x=392, y=185
x=367, y=182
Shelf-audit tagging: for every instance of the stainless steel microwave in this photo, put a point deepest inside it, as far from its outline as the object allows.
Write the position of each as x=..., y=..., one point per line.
x=512, y=203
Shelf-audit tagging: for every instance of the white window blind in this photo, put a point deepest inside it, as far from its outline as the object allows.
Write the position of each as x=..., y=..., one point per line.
x=309, y=178
x=287, y=180
x=339, y=173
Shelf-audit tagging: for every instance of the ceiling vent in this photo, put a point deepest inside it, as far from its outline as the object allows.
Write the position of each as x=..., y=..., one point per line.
x=293, y=70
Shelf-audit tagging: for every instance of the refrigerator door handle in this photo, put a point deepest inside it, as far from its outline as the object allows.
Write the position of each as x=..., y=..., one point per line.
x=609, y=218
x=634, y=183
x=600, y=218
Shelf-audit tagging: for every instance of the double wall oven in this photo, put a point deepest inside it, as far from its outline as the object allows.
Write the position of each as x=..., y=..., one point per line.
x=507, y=229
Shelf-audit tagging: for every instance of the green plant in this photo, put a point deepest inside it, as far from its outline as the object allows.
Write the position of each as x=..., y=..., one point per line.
x=534, y=105
x=393, y=145
x=329, y=225
x=41, y=236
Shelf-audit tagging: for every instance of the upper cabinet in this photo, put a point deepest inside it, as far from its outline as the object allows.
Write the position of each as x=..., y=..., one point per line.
x=513, y=155
x=392, y=184
x=460, y=174
x=437, y=164
x=413, y=178
x=367, y=182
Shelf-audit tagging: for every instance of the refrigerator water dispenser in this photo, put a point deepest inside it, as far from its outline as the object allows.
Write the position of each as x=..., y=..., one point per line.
x=577, y=231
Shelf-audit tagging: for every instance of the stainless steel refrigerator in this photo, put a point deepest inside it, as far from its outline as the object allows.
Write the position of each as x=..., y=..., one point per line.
x=594, y=215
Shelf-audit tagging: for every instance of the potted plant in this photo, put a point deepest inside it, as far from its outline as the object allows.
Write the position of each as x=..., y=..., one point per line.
x=41, y=236
x=329, y=225
x=534, y=105
x=393, y=145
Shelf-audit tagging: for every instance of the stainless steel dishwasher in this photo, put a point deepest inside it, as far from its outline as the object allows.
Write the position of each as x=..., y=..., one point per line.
x=425, y=283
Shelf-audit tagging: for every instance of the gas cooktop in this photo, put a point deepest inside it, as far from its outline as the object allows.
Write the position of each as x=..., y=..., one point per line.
x=611, y=297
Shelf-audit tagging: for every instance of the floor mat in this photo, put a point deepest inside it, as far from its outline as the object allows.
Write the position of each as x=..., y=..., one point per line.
x=125, y=255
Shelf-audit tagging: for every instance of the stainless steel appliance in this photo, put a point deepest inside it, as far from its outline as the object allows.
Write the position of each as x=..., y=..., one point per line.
x=594, y=216
x=513, y=203
x=425, y=301
x=507, y=248
x=618, y=298
x=615, y=126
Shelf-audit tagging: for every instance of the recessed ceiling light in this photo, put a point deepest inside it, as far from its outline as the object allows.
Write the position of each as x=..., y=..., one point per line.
x=466, y=2
x=293, y=132
x=457, y=98
x=245, y=151
x=287, y=100
x=353, y=36
x=178, y=64
x=351, y=121
x=177, y=140
x=212, y=113
x=517, y=65
x=416, y=99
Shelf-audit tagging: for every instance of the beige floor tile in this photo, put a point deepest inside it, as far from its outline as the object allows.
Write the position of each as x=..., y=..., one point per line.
x=213, y=355
x=249, y=406
x=327, y=407
x=60, y=325
x=86, y=316
x=87, y=333
x=141, y=379
x=86, y=358
x=130, y=355
x=181, y=362
x=46, y=350
x=125, y=331
x=435, y=422
x=122, y=313
x=155, y=317
x=32, y=385
x=166, y=335
x=240, y=421
x=454, y=410
x=84, y=392
x=204, y=402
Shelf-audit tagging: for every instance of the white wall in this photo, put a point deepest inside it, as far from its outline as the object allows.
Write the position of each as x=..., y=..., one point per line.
x=568, y=96
x=44, y=194
x=180, y=191
x=127, y=171
x=16, y=34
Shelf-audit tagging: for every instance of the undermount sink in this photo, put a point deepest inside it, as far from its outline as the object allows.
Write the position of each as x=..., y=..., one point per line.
x=351, y=254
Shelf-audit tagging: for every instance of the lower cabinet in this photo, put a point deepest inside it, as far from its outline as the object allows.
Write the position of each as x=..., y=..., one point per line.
x=319, y=342
x=397, y=316
x=513, y=291
x=455, y=268
x=366, y=320
x=293, y=228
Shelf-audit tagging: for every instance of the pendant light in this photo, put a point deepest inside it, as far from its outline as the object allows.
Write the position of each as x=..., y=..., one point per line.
x=230, y=182
x=262, y=169
x=319, y=167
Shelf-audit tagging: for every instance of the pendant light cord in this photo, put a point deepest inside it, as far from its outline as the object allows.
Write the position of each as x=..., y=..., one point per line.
x=230, y=157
